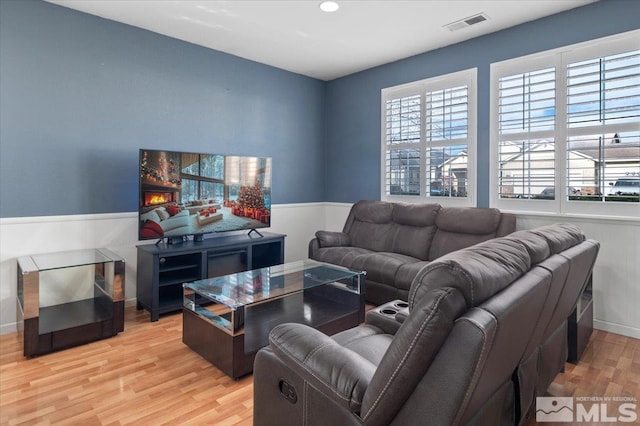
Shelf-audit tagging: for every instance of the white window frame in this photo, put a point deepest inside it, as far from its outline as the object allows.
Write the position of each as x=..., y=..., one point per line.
x=559, y=58
x=466, y=77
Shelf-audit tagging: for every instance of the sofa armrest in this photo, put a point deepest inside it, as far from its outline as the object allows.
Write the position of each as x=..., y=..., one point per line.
x=507, y=224
x=341, y=374
x=389, y=316
x=402, y=316
x=333, y=239
x=314, y=245
x=388, y=325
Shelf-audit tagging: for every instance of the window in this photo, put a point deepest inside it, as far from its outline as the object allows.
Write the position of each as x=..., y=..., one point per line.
x=202, y=177
x=218, y=177
x=428, y=140
x=248, y=172
x=526, y=145
x=566, y=129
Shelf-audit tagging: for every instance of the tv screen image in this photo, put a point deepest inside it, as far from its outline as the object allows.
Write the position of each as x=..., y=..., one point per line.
x=185, y=193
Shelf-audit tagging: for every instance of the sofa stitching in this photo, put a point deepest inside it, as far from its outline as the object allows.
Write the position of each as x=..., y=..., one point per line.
x=421, y=274
x=293, y=358
x=314, y=350
x=447, y=293
x=362, y=336
x=305, y=389
x=467, y=394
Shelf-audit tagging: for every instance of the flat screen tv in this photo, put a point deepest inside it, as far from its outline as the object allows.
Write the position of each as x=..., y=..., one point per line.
x=186, y=193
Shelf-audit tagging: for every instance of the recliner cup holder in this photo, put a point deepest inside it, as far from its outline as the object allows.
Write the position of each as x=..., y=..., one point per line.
x=401, y=305
x=388, y=311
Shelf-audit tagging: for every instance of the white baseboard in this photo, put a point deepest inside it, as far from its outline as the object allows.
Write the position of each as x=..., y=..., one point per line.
x=621, y=329
x=8, y=328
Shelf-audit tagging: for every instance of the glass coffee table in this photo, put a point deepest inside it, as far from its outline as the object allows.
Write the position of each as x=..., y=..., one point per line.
x=227, y=319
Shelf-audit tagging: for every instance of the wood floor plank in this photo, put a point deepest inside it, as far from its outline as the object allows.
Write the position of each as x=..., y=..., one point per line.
x=146, y=375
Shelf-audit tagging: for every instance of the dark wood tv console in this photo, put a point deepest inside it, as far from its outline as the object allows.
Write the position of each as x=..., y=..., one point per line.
x=162, y=269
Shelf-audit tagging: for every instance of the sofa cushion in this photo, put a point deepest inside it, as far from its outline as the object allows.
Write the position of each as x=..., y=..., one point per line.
x=460, y=227
x=407, y=272
x=478, y=272
x=415, y=214
x=373, y=211
x=560, y=236
x=372, y=236
x=173, y=210
x=151, y=229
x=535, y=244
x=163, y=213
x=343, y=256
x=468, y=220
x=152, y=215
x=333, y=239
x=175, y=222
x=370, y=224
x=381, y=267
x=413, y=229
x=411, y=240
x=445, y=242
x=368, y=341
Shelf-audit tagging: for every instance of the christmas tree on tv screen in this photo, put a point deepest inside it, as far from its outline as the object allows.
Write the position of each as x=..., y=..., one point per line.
x=251, y=197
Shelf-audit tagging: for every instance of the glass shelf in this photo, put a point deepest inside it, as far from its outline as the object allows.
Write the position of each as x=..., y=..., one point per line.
x=66, y=259
x=237, y=311
x=227, y=301
x=69, y=298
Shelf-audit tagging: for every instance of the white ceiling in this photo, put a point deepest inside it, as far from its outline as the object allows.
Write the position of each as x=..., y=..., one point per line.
x=296, y=36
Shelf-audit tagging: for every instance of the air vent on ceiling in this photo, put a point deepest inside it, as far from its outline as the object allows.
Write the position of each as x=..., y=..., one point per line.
x=467, y=22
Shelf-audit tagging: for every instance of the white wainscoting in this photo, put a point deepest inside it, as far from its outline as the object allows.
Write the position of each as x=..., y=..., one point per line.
x=616, y=278
x=118, y=232
x=616, y=274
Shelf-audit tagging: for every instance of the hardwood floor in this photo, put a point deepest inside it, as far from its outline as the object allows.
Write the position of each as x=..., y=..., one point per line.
x=147, y=376
x=608, y=369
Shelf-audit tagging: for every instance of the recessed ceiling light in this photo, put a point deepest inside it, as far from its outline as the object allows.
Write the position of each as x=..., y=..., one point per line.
x=329, y=6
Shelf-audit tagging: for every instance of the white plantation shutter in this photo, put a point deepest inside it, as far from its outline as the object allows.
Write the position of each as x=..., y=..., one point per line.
x=403, y=120
x=603, y=118
x=527, y=101
x=604, y=91
x=447, y=111
x=446, y=133
x=566, y=129
x=402, y=145
x=426, y=138
x=526, y=139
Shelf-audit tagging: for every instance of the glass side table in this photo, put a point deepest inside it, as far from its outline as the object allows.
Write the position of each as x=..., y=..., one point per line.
x=227, y=319
x=69, y=298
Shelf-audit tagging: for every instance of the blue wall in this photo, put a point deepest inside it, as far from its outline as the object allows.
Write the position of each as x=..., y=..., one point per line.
x=353, y=102
x=80, y=95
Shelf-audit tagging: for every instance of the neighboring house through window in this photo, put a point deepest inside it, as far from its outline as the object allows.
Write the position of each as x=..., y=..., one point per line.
x=565, y=130
x=429, y=140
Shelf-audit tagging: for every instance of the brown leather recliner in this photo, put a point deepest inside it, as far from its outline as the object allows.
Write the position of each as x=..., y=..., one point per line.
x=563, y=251
x=394, y=241
x=473, y=319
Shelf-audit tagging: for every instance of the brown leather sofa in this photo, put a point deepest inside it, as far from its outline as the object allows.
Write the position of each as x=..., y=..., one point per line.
x=393, y=241
x=483, y=333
